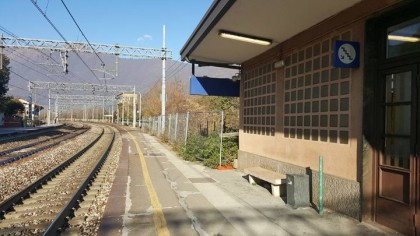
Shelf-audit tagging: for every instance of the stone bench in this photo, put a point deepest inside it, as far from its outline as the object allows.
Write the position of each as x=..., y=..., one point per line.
x=274, y=178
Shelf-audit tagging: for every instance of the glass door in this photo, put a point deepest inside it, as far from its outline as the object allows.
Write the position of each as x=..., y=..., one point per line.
x=396, y=178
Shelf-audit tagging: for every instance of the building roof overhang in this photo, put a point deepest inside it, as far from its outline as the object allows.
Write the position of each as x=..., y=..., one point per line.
x=275, y=20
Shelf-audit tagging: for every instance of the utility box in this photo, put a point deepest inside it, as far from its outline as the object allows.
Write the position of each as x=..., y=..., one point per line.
x=298, y=190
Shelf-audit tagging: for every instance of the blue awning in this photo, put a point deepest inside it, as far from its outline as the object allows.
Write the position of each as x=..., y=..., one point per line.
x=208, y=86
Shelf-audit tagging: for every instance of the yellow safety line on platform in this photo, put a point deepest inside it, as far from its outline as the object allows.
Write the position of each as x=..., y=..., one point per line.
x=158, y=217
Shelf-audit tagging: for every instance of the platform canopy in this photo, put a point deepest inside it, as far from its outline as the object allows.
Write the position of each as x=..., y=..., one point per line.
x=269, y=20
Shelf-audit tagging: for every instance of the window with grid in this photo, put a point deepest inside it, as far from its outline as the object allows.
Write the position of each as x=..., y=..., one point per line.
x=317, y=95
x=259, y=100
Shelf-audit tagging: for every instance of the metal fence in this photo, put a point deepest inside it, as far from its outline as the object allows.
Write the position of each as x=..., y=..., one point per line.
x=177, y=128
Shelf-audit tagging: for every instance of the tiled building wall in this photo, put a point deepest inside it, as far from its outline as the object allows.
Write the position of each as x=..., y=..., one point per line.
x=317, y=95
x=315, y=105
x=259, y=104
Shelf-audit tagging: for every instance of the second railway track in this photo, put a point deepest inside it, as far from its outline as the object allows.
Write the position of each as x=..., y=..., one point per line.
x=47, y=205
x=26, y=149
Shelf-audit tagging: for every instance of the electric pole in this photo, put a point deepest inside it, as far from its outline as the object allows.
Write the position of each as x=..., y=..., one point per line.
x=163, y=82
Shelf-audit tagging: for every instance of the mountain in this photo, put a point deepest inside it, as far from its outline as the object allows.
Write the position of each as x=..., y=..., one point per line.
x=36, y=65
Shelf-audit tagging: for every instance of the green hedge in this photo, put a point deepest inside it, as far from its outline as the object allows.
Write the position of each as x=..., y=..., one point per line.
x=206, y=149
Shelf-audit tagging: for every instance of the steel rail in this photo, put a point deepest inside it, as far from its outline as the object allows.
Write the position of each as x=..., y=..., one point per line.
x=8, y=204
x=8, y=151
x=20, y=136
x=57, y=226
x=28, y=153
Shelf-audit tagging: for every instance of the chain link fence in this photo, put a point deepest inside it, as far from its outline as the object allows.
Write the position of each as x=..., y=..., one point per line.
x=188, y=130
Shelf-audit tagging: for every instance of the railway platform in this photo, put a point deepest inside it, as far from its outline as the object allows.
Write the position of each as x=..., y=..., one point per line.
x=155, y=192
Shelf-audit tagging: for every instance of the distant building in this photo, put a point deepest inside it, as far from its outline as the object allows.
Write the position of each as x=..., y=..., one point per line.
x=30, y=114
x=127, y=103
x=333, y=78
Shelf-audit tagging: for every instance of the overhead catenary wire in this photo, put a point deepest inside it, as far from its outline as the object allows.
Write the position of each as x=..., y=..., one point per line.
x=7, y=31
x=43, y=53
x=20, y=76
x=33, y=69
x=25, y=58
x=18, y=87
x=173, y=72
x=176, y=70
x=167, y=69
x=84, y=36
x=62, y=36
x=15, y=86
x=172, y=65
x=150, y=73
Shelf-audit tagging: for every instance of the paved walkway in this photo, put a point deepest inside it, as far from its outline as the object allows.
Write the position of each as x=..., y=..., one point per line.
x=200, y=201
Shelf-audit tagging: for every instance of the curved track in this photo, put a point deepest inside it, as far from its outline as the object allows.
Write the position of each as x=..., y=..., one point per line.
x=51, y=199
x=47, y=140
x=28, y=135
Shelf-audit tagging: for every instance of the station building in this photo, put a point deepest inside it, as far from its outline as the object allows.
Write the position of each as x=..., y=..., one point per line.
x=129, y=103
x=338, y=79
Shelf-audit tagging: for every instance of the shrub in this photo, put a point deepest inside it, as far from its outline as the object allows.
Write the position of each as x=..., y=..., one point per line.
x=206, y=149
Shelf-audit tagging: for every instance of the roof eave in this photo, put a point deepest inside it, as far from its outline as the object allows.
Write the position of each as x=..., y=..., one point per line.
x=216, y=11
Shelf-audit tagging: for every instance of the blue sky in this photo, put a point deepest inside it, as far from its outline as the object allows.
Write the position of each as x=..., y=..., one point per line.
x=126, y=22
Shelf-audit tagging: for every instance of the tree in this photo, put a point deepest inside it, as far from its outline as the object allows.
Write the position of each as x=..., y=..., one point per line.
x=10, y=106
x=230, y=105
x=151, y=103
x=179, y=101
x=4, y=76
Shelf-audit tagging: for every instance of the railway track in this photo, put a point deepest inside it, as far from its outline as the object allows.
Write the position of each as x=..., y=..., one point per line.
x=44, y=206
x=10, y=141
x=29, y=148
x=28, y=135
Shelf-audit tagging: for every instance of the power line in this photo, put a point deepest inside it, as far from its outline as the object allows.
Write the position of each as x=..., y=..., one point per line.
x=74, y=20
x=7, y=31
x=23, y=58
x=175, y=71
x=169, y=68
x=10, y=84
x=26, y=90
x=19, y=76
x=62, y=36
x=25, y=80
x=39, y=72
x=15, y=86
x=43, y=53
x=153, y=73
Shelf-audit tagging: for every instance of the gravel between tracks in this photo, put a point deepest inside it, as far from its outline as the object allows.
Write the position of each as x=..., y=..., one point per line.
x=88, y=216
x=16, y=176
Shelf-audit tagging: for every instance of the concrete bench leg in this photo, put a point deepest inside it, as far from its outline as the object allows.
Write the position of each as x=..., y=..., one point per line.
x=251, y=180
x=275, y=190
